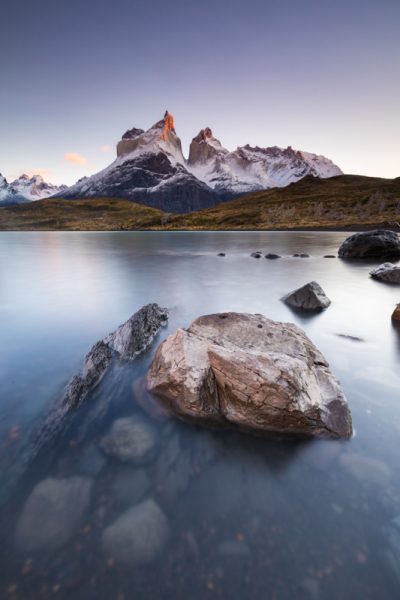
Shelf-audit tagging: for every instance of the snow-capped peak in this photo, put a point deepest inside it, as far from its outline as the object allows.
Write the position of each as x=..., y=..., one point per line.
x=160, y=137
x=25, y=189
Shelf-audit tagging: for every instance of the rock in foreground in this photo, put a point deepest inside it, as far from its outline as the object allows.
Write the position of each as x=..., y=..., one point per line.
x=138, y=536
x=251, y=372
x=380, y=243
x=128, y=341
x=309, y=297
x=387, y=272
x=53, y=513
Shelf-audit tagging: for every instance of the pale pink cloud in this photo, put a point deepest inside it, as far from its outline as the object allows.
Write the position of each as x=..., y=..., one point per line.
x=105, y=148
x=75, y=158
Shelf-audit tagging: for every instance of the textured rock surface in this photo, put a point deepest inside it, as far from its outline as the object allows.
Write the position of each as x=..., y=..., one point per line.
x=138, y=536
x=249, y=371
x=396, y=313
x=53, y=513
x=131, y=440
x=380, y=243
x=387, y=272
x=137, y=333
x=128, y=341
x=309, y=297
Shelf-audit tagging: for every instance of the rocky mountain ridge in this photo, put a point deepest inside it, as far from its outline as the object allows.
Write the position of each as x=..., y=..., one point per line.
x=150, y=168
x=26, y=189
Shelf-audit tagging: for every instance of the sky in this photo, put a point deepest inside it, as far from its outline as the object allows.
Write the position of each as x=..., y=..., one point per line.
x=321, y=76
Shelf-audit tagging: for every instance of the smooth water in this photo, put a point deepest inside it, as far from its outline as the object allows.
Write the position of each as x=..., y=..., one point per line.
x=248, y=517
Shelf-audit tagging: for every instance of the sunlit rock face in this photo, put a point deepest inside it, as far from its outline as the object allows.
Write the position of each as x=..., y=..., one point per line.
x=247, y=371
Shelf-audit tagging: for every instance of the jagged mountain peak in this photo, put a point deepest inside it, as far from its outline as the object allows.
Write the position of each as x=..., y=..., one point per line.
x=160, y=137
x=26, y=188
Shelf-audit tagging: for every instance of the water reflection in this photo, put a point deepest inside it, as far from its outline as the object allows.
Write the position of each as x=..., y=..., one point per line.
x=205, y=513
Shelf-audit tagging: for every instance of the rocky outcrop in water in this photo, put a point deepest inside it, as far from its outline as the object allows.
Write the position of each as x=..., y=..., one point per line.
x=380, y=243
x=388, y=273
x=308, y=297
x=128, y=341
x=52, y=514
x=250, y=372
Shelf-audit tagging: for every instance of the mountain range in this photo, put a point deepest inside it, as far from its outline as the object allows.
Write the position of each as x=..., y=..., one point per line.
x=25, y=189
x=150, y=169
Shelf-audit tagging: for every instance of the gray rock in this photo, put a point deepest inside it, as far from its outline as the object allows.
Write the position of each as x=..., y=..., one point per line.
x=304, y=255
x=52, y=514
x=91, y=462
x=250, y=372
x=130, y=486
x=380, y=243
x=329, y=256
x=138, y=536
x=272, y=256
x=136, y=335
x=256, y=255
x=221, y=254
x=309, y=297
x=131, y=440
x=387, y=272
x=128, y=341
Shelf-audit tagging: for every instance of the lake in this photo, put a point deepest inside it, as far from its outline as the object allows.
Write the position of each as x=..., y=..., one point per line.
x=247, y=517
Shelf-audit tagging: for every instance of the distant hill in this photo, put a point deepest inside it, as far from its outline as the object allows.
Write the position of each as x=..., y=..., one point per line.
x=342, y=202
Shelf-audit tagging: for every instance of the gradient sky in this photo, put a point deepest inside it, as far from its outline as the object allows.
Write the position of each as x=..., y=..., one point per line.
x=321, y=76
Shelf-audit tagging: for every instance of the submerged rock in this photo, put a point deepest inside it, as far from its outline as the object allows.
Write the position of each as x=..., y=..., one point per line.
x=131, y=440
x=387, y=272
x=365, y=469
x=138, y=536
x=250, y=372
x=221, y=254
x=391, y=533
x=380, y=243
x=130, y=486
x=52, y=514
x=309, y=297
x=272, y=256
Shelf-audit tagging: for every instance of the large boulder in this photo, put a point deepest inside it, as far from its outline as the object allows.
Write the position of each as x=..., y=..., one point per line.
x=387, y=272
x=131, y=440
x=310, y=296
x=138, y=536
x=52, y=514
x=380, y=243
x=251, y=372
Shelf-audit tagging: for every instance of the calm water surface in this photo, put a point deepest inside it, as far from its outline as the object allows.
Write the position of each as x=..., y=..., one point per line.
x=248, y=517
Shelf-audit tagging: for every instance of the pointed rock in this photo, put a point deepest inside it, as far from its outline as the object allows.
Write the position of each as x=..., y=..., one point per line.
x=308, y=297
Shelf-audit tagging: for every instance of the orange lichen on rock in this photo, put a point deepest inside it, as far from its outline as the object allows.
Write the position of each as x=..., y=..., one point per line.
x=168, y=125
